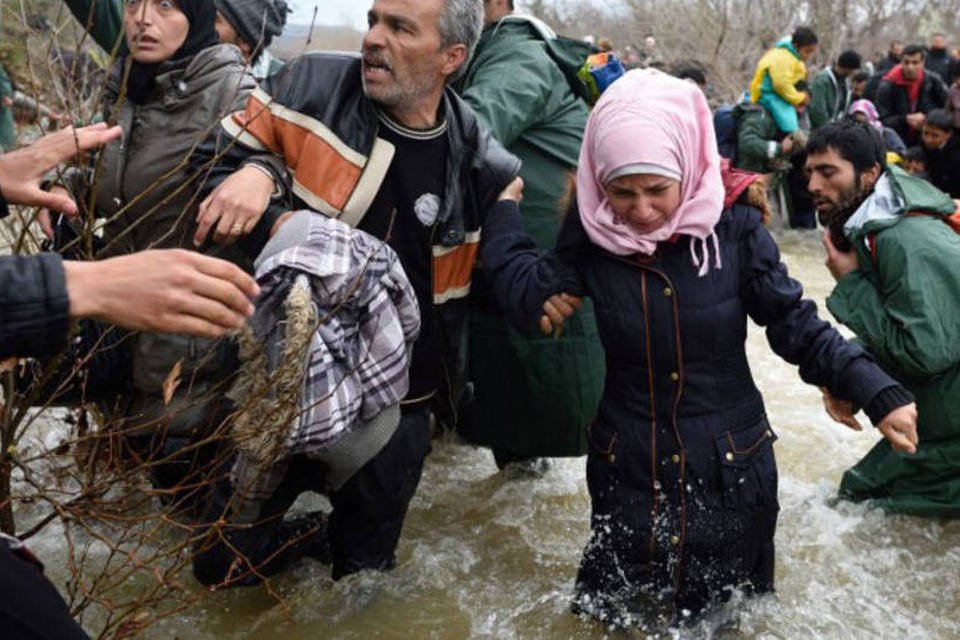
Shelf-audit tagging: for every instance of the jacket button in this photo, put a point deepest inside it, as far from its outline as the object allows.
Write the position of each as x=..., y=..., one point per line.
x=612, y=458
x=674, y=540
x=674, y=376
x=676, y=458
x=769, y=433
x=668, y=292
x=117, y=202
x=729, y=456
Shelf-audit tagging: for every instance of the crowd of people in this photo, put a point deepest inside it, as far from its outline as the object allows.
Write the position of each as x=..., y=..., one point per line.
x=479, y=226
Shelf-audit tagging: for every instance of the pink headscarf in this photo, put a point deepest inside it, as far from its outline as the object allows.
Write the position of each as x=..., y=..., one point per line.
x=649, y=118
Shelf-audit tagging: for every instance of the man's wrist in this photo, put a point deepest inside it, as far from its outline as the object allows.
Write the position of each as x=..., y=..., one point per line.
x=275, y=191
x=81, y=288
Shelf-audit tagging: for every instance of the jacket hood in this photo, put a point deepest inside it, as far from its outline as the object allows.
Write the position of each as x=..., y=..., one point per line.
x=786, y=44
x=568, y=54
x=896, y=194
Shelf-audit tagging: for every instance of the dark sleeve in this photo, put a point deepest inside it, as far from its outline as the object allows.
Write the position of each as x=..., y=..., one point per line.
x=521, y=276
x=886, y=104
x=942, y=93
x=30, y=606
x=34, y=307
x=826, y=359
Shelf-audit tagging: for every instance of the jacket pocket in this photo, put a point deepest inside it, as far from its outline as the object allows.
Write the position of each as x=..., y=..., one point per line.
x=748, y=470
x=603, y=441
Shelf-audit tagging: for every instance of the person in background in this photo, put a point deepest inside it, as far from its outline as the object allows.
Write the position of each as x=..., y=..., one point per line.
x=892, y=58
x=937, y=59
x=953, y=93
x=915, y=162
x=892, y=246
x=941, y=143
x=864, y=111
x=252, y=25
x=681, y=469
x=907, y=93
x=829, y=94
x=858, y=84
x=532, y=396
x=780, y=82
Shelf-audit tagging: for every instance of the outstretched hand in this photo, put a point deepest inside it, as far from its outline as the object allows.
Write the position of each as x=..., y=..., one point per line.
x=21, y=171
x=556, y=309
x=164, y=290
x=900, y=428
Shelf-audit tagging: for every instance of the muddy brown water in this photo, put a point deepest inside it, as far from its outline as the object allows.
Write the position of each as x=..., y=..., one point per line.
x=486, y=556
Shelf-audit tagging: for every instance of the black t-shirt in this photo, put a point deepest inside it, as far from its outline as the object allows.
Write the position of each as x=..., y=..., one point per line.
x=406, y=208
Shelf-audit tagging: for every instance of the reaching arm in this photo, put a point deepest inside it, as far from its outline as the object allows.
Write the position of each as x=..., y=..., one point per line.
x=795, y=332
x=526, y=283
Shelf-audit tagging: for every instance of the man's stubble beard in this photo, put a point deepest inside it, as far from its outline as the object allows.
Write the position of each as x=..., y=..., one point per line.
x=837, y=215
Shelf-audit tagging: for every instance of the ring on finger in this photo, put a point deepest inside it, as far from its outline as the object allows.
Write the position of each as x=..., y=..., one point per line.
x=236, y=229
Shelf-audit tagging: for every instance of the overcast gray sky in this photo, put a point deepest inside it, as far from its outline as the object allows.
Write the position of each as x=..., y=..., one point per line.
x=332, y=12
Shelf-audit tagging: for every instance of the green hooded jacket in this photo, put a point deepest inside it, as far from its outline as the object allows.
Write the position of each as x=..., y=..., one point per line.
x=828, y=98
x=904, y=305
x=533, y=394
x=757, y=139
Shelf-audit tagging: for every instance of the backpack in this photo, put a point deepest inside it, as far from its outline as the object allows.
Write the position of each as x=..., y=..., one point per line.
x=726, y=125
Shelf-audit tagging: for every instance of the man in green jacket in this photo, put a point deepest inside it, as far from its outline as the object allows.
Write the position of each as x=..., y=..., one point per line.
x=893, y=247
x=533, y=395
x=761, y=146
x=829, y=94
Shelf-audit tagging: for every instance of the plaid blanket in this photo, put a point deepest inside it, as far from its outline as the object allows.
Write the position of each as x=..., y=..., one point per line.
x=326, y=351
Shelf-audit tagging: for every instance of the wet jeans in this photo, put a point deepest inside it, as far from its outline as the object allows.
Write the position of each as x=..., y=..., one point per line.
x=363, y=529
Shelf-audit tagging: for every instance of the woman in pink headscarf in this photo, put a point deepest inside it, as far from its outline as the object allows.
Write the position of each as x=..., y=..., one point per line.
x=681, y=470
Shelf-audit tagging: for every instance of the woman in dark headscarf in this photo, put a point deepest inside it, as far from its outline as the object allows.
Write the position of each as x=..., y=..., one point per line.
x=168, y=94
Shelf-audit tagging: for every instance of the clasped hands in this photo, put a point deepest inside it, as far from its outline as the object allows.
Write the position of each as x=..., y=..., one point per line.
x=899, y=426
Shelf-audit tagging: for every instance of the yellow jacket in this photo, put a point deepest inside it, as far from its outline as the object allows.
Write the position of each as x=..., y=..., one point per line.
x=780, y=69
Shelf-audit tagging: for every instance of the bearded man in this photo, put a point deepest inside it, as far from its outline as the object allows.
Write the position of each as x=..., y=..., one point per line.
x=892, y=245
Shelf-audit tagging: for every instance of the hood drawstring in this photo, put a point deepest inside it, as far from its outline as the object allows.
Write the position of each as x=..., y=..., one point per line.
x=702, y=262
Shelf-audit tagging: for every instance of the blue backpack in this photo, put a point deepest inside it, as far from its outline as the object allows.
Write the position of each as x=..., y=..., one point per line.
x=726, y=124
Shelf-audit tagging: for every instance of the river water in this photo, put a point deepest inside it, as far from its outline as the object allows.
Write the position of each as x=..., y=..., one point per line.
x=486, y=556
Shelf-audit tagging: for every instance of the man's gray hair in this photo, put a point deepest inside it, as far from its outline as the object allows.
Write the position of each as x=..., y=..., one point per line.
x=461, y=22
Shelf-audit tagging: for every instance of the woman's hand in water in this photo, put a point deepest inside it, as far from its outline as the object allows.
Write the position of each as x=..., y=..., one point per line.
x=514, y=191
x=556, y=309
x=900, y=428
x=235, y=206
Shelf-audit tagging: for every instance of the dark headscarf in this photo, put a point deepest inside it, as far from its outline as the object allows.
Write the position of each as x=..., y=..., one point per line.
x=201, y=35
